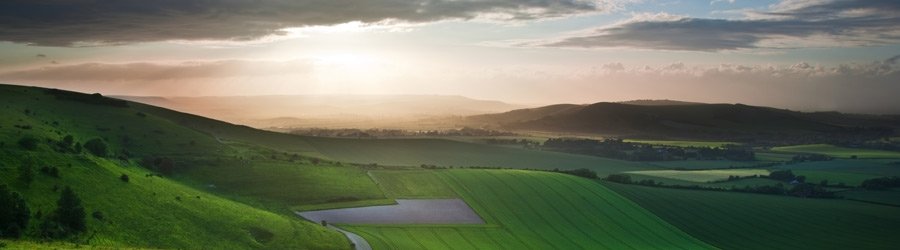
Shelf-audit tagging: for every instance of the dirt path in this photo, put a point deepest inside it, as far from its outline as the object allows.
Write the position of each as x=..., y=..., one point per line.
x=359, y=243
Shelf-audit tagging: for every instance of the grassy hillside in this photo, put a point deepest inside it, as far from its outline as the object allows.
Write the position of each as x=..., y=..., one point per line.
x=528, y=209
x=155, y=212
x=148, y=211
x=752, y=221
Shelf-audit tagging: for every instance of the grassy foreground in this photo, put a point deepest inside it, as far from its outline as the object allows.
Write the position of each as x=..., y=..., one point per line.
x=534, y=210
x=155, y=212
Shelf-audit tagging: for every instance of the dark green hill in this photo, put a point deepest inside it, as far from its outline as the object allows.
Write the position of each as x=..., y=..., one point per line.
x=706, y=121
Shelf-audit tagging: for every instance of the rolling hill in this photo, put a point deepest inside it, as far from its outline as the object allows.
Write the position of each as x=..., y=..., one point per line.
x=685, y=120
x=43, y=129
x=172, y=158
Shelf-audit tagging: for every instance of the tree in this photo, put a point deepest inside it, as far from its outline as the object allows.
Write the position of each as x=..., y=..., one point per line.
x=68, y=140
x=69, y=211
x=14, y=213
x=97, y=147
x=124, y=178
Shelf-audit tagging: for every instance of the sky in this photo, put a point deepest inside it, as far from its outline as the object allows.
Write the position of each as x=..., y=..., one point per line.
x=810, y=55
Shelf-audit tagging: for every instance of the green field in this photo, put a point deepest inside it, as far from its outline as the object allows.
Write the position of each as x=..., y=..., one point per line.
x=838, y=152
x=852, y=179
x=890, y=196
x=774, y=157
x=411, y=184
x=740, y=183
x=850, y=172
x=701, y=175
x=701, y=164
x=711, y=144
x=414, y=152
x=287, y=183
x=870, y=167
x=536, y=210
x=752, y=221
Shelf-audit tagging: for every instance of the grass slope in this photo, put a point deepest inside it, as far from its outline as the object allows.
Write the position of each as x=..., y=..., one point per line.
x=838, y=152
x=535, y=210
x=146, y=214
x=752, y=221
x=155, y=212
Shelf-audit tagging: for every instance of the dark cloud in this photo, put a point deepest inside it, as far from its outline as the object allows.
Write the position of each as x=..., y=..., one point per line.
x=839, y=23
x=67, y=22
x=104, y=72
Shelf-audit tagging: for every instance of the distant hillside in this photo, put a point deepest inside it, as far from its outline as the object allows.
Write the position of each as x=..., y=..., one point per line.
x=731, y=121
x=659, y=102
x=326, y=110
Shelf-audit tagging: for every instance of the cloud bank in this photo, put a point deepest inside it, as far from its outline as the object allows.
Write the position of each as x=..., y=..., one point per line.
x=789, y=24
x=92, y=22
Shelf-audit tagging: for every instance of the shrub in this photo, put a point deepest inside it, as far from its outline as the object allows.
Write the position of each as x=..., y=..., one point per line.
x=98, y=215
x=26, y=174
x=782, y=175
x=124, y=178
x=50, y=171
x=620, y=178
x=28, y=143
x=96, y=147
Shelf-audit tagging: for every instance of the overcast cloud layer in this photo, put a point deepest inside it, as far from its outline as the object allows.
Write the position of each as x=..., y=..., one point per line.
x=73, y=22
x=826, y=23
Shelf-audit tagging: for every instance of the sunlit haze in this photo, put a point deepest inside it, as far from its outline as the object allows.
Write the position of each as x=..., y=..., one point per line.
x=804, y=55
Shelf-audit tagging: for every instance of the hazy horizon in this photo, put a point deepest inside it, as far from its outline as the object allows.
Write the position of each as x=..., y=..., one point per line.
x=796, y=54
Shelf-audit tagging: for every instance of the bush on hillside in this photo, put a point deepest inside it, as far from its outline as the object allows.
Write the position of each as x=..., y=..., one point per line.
x=96, y=147
x=620, y=178
x=26, y=174
x=50, y=171
x=881, y=183
x=163, y=165
x=28, y=143
x=782, y=175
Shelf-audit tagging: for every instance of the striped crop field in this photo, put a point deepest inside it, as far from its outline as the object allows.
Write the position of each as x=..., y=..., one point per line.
x=754, y=221
x=535, y=210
